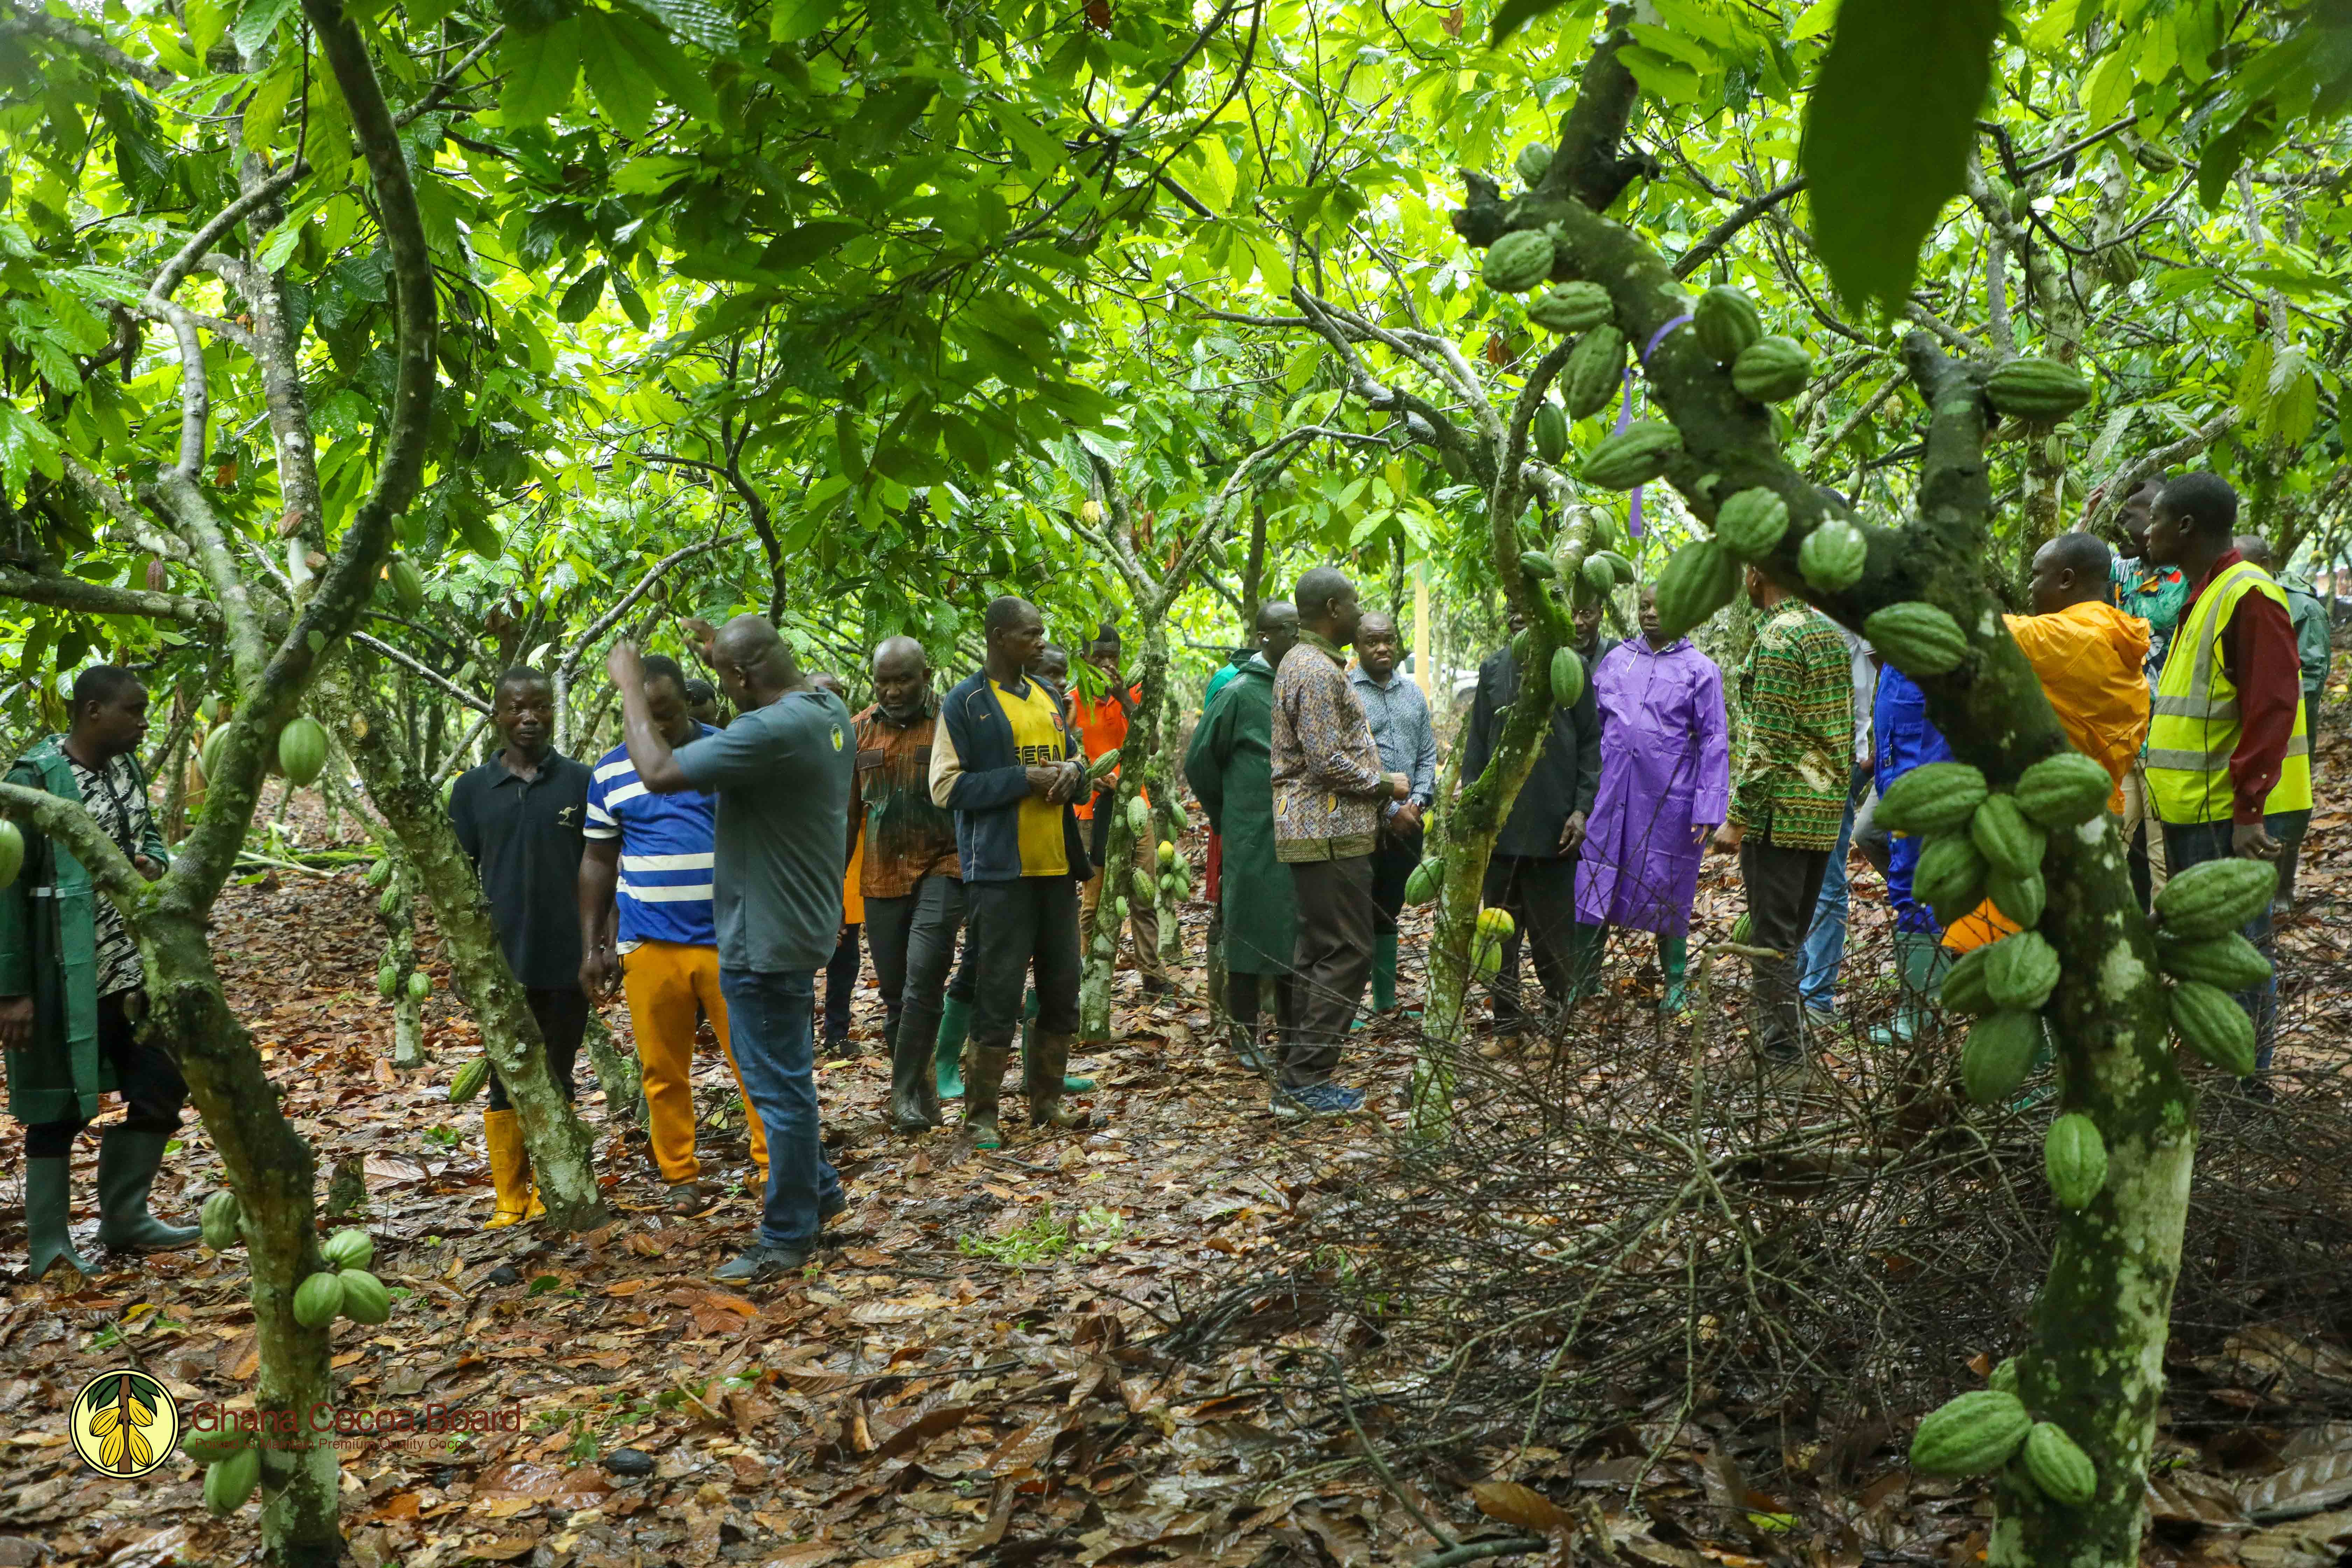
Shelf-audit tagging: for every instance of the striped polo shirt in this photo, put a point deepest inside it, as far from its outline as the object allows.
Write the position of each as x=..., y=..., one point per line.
x=665, y=852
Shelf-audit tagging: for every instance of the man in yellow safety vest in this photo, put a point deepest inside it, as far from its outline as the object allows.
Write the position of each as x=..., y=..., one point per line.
x=2227, y=745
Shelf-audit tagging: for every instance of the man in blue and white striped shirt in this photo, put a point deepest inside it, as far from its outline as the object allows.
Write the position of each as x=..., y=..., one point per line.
x=649, y=859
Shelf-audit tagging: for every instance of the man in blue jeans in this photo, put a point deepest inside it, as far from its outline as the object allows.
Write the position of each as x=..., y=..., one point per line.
x=1823, y=954
x=781, y=772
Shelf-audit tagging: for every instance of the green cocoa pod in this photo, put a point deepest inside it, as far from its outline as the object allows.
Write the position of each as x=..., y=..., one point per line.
x=1634, y=455
x=1139, y=817
x=2000, y=1048
x=1539, y=565
x=1934, y=798
x=318, y=1299
x=1949, y=877
x=2004, y=1375
x=379, y=874
x=1427, y=880
x=1099, y=768
x=2021, y=971
x=2038, y=389
x=1590, y=376
x=208, y=759
x=1970, y=1436
x=2228, y=960
x=2209, y=1022
x=469, y=1080
x=1832, y=556
x=228, y=1482
x=2216, y=896
x=407, y=585
x=2057, y=1465
x=212, y=1447
x=1549, y=429
x=1486, y=957
x=1571, y=308
x=348, y=1248
x=219, y=1219
x=2074, y=1157
x=1916, y=637
x=420, y=985
x=1119, y=907
x=1566, y=677
x=389, y=905
x=387, y=981
x=1619, y=569
x=2021, y=899
x=2063, y=791
x=1523, y=645
x=1518, y=261
x=1698, y=580
x=303, y=750
x=1598, y=574
x=1533, y=160
x=1726, y=321
x=1771, y=369
x=2002, y=836
x=1962, y=989
x=1752, y=523
x=365, y=1301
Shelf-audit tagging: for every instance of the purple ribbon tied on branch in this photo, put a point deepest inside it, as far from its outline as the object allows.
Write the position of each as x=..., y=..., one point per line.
x=1625, y=413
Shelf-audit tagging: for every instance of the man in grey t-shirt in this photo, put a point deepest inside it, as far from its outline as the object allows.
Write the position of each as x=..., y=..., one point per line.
x=781, y=772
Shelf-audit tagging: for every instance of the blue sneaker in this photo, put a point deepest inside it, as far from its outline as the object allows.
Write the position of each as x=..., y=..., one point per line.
x=1318, y=1099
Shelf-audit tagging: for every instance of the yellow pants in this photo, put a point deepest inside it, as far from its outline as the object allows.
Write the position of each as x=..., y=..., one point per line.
x=663, y=981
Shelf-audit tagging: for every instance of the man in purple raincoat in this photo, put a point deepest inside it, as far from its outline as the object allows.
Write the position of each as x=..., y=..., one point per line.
x=1666, y=780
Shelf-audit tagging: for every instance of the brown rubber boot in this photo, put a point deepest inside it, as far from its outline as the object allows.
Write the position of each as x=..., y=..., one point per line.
x=1041, y=1073
x=983, y=1083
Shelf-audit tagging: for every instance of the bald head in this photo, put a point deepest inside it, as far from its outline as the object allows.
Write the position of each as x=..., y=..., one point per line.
x=1378, y=645
x=1328, y=606
x=1277, y=630
x=754, y=662
x=2257, y=550
x=2072, y=569
x=902, y=678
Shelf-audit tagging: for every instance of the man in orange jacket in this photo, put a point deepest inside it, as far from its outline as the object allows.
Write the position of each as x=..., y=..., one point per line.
x=2090, y=658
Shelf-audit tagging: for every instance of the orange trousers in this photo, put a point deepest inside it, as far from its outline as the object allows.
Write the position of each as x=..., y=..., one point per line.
x=663, y=981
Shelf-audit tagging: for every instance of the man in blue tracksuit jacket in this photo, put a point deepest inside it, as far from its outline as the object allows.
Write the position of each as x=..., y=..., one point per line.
x=1006, y=762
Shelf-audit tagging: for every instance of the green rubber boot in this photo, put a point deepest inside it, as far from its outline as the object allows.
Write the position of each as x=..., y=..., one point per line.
x=1919, y=959
x=128, y=1158
x=1384, y=971
x=947, y=1055
x=1673, y=959
x=48, y=1213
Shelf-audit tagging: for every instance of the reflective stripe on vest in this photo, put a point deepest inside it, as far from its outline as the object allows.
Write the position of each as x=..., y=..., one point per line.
x=2193, y=724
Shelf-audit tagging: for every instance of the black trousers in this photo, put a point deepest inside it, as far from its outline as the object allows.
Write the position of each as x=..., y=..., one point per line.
x=1246, y=996
x=1330, y=963
x=145, y=1075
x=1783, y=885
x=1017, y=927
x=914, y=943
x=561, y=1011
x=1539, y=892
x=1392, y=865
x=840, y=985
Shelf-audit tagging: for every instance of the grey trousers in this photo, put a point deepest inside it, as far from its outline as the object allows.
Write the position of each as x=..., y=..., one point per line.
x=914, y=943
x=1783, y=886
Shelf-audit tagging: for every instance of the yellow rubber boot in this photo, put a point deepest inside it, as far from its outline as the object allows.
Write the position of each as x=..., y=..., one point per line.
x=510, y=1168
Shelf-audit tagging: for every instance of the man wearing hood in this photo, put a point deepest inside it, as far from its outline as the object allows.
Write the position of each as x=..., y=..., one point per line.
x=1230, y=765
x=1665, y=782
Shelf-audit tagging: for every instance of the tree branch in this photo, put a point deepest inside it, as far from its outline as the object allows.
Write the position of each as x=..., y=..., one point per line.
x=1748, y=212
x=110, y=871
x=62, y=591
x=20, y=17
x=419, y=668
x=654, y=575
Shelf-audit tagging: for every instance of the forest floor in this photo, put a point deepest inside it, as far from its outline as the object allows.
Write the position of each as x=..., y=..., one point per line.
x=961, y=1375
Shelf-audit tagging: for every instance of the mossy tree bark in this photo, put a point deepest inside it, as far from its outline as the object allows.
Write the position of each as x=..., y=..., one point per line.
x=2094, y=1362
x=275, y=651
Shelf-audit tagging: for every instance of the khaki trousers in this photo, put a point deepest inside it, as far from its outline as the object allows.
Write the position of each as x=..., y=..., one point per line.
x=2136, y=811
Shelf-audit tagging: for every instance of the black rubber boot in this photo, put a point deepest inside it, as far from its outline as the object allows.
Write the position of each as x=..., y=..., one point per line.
x=981, y=1086
x=913, y=1082
x=49, y=1209
x=1042, y=1074
x=128, y=1160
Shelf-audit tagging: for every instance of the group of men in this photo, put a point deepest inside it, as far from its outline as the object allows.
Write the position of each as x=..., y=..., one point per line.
x=703, y=868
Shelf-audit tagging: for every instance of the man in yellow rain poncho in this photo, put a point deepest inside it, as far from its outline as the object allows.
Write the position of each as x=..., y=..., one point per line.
x=2089, y=656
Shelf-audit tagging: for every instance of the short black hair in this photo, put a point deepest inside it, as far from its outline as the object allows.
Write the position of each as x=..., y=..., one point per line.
x=102, y=684
x=661, y=667
x=2088, y=553
x=1318, y=588
x=700, y=691
x=1002, y=612
x=2203, y=500
x=521, y=675
x=1108, y=632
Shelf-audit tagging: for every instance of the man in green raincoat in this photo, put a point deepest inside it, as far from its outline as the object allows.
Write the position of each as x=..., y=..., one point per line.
x=73, y=993
x=1230, y=767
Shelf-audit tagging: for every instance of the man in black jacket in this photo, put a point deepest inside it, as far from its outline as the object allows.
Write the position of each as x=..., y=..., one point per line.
x=1533, y=871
